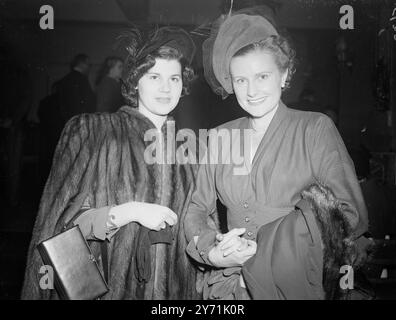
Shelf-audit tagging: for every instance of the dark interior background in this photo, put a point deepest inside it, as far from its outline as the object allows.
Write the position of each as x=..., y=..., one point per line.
x=92, y=26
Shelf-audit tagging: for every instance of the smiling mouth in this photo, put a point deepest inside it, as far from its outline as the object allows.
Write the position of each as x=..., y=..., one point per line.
x=163, y=100
x=257, y=101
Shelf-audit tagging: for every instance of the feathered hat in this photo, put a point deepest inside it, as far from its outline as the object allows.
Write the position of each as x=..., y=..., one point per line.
x=140, y=46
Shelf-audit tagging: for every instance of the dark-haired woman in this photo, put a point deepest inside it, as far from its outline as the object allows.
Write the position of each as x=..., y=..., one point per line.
x=287, y=151
x=101, y=165
x=108, y=85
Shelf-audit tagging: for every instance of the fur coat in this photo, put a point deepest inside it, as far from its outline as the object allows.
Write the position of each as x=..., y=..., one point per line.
x=100, y=157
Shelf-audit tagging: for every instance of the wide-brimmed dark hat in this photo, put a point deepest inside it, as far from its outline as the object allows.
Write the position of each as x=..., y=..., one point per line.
x=230, y=34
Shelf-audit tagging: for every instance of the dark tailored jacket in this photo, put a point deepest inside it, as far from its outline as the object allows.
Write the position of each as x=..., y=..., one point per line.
x=298, y=149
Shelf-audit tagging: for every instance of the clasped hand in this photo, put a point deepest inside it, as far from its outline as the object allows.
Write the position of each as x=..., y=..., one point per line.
x=232, y=250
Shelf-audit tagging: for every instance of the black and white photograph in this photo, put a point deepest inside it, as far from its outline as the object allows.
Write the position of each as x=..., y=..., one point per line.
x=214, y=151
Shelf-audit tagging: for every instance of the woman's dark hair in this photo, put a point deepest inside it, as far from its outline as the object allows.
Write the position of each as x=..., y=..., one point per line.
x=133, y=75
x=282, y=51
x=106, y=66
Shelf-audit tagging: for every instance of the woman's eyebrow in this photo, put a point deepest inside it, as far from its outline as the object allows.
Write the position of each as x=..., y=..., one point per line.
x=158, y=74
x=256, y=74
x=236, y=76
x=261, y=72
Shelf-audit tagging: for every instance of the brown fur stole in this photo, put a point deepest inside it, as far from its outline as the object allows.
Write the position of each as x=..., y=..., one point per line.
x=337, y=237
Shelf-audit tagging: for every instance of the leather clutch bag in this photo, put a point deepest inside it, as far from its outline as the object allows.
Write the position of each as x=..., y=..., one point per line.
x=76, y=272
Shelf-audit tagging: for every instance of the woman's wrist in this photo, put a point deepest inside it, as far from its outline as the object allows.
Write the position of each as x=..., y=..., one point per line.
x=211, y=258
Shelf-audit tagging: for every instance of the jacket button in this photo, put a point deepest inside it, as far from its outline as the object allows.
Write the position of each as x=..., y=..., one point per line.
x=247, y=219
x=202, y=253
x=250, y=233
x=246, y=205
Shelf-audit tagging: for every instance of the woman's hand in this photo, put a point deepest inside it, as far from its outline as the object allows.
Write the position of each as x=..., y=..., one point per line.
x=232, y=241
x=235, y=259
x=152, y=216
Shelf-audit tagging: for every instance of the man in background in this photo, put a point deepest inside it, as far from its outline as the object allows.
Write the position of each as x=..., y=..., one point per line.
x=75, y=93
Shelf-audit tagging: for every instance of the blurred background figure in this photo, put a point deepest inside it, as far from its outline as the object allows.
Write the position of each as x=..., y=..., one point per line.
x=75, y=93
x=307, y=101
x=108, y=82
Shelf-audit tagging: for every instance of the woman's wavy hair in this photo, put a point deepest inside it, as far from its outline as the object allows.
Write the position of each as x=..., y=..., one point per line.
x=281, y=49
x=133, y=75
